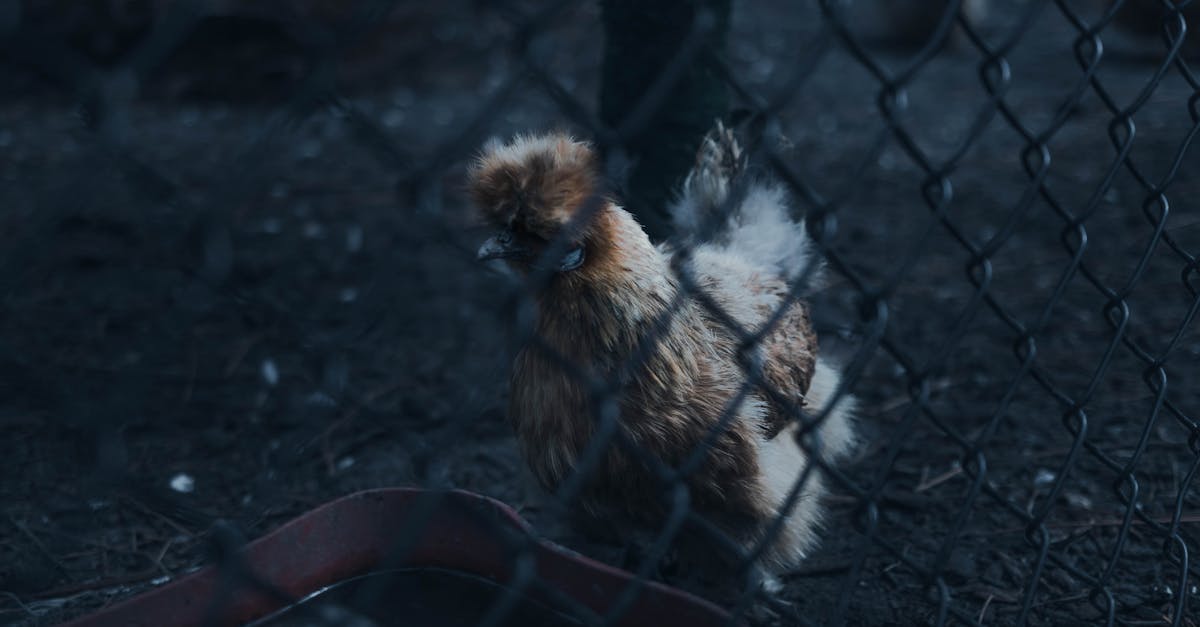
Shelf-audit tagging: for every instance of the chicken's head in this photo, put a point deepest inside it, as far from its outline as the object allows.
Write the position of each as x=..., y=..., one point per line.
x=533, y=190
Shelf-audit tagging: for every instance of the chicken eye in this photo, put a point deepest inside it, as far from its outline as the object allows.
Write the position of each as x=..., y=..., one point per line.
x=571, y=260
x=505, y=237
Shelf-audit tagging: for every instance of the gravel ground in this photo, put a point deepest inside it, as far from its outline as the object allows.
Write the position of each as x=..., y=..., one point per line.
x=225, y=311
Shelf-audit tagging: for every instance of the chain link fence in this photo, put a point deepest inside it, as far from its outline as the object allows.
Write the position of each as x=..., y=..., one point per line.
x=239, y=281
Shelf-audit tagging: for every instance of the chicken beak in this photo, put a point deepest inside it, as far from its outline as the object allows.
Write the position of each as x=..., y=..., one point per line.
x=501, y=246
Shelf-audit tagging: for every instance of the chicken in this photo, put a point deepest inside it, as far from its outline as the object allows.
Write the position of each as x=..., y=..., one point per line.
x=609, y=292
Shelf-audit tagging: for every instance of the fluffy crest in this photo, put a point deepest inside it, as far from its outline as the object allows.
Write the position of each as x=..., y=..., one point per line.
x=533, y=183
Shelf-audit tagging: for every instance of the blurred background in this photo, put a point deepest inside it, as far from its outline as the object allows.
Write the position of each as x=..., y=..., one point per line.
x=237, y=276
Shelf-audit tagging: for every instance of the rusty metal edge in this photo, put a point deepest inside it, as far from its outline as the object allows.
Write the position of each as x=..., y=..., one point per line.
x=360, y=532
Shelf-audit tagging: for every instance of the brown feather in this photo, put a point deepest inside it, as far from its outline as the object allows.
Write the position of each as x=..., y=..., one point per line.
x=536, y=181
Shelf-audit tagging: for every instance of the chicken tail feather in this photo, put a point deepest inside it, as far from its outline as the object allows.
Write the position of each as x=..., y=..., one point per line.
x=752, y=218
x=720, y=161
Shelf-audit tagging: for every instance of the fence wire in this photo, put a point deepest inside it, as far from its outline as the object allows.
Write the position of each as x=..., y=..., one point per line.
x=239, y=282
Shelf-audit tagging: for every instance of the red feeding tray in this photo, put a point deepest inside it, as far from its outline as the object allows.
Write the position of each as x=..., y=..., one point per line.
x=443, y=553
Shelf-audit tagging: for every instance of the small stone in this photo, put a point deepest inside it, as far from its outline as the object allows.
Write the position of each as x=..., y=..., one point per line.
x=354, y=238
x=320, y=399
x=313, y=229
x=394, y=118
x=270, y=372
x=183, y=483
x=1078, y=501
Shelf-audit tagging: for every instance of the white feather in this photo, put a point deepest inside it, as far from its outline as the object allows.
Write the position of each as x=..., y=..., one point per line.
x=783, y=462
x=762, y=231
x=755, y=244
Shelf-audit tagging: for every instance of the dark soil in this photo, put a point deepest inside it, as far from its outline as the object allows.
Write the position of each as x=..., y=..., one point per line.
x=229, y=301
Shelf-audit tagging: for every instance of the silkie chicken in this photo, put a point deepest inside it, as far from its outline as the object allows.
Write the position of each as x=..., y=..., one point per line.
x=609, y=292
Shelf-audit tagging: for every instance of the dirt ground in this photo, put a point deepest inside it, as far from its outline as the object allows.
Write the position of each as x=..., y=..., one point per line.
x=237, y=312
